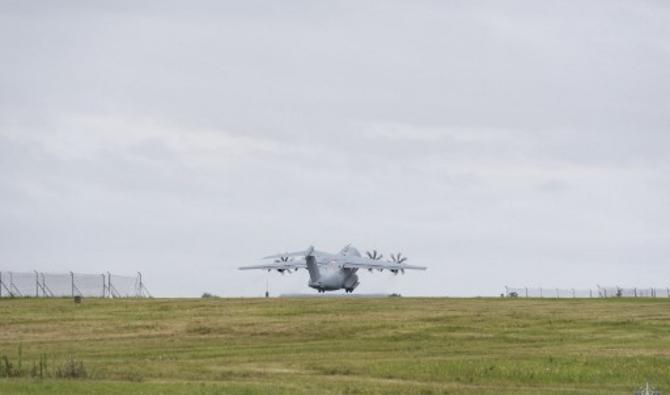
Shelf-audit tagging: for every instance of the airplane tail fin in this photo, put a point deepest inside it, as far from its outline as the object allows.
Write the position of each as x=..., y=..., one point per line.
x=313, y=268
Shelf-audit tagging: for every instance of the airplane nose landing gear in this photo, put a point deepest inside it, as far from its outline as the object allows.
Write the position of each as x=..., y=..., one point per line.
x=351, y=283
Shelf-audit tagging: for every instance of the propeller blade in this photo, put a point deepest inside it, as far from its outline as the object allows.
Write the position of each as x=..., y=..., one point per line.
x=374, y=255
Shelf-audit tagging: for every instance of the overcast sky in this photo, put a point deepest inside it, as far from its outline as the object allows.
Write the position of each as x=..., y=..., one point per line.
x=499, y=143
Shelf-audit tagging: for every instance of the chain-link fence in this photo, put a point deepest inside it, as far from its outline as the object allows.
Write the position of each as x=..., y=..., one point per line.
x=597, y=292
x=103, y=285
x=620, y=292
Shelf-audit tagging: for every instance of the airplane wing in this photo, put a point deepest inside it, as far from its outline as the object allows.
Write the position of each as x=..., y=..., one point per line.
x=279, y=266
x=367, y=263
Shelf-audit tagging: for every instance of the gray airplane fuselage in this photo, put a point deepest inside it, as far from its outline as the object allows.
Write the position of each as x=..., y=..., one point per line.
x=325, y=274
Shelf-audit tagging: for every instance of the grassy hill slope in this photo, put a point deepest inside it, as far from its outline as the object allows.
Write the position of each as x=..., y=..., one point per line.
x=340, y=345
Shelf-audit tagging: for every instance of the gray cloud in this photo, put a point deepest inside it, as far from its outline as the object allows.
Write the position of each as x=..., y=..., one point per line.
x=497, y=143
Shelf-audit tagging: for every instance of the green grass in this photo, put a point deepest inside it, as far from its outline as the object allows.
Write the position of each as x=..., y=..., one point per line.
x=341, y=345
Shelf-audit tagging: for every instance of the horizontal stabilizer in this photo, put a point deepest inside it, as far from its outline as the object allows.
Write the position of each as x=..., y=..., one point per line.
x=308, y=252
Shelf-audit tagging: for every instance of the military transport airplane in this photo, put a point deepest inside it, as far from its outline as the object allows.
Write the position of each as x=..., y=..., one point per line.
x=330, y=272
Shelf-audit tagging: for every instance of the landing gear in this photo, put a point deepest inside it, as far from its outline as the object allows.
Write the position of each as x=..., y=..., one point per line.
x=349, y=290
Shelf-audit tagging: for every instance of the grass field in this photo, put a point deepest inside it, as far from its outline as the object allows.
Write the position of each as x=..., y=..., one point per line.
x=341, y=345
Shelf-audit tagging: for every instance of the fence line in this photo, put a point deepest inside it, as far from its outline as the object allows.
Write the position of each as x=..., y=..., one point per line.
x=103, y=285
x=598, y=292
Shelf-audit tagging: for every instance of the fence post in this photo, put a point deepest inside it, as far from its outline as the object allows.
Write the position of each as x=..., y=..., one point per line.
x=37, y=285
x=103, y=285
x=590, y=293
x=45, y=290
x=72, y=283
x=141, y=288
x=526, y=288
